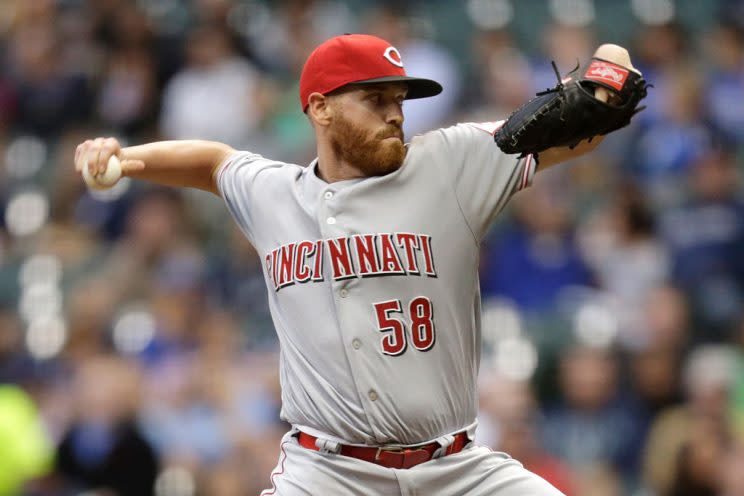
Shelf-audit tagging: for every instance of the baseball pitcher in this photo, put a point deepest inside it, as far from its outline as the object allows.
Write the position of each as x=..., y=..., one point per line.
x=370, y=256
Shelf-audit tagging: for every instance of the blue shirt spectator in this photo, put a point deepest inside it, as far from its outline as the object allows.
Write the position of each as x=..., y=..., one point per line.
x=706, y=239
x=531, y=269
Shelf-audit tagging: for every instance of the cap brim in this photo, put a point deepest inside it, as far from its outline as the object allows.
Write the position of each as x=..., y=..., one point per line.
x=417, y=87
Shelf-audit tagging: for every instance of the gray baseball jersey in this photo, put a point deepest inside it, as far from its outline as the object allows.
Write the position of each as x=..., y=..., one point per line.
x=373, y=283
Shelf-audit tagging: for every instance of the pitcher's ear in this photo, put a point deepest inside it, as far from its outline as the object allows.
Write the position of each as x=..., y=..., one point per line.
x=319, y=109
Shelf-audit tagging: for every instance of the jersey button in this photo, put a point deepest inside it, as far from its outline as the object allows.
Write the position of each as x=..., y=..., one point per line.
x=356, y=344
x=331, y=220
x=373, y=395
x=344, y=293
x=328, y=195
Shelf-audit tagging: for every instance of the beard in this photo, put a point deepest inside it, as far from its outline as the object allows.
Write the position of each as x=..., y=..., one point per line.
x=367, y=151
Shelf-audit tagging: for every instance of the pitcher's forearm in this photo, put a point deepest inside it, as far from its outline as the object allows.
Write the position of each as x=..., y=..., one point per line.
x=557, y=155
x=178, y=163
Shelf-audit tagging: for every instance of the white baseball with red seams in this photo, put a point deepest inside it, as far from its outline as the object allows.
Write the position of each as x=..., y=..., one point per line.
x=373, y=289
x=105, y=180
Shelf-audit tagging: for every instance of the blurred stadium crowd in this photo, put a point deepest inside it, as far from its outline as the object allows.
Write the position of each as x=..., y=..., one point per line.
x=137, y=355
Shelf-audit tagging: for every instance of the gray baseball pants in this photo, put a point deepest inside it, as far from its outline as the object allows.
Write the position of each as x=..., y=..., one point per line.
x=475, y=471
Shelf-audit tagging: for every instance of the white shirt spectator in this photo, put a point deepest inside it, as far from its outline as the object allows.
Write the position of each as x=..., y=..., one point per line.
x=212, y=103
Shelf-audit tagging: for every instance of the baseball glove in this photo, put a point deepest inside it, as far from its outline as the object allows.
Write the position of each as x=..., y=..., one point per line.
x=569, y=112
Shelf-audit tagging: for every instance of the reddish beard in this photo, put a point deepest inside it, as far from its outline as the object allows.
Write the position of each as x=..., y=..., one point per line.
x=368, y=152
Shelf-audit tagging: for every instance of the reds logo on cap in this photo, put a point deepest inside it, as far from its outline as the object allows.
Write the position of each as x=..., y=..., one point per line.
x=393, y=55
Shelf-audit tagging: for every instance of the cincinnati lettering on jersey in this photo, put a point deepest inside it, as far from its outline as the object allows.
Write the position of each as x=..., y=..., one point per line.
x=361, y=255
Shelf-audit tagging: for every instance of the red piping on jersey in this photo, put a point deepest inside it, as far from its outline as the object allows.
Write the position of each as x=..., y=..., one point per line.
x=275, y=473
x=525, y=172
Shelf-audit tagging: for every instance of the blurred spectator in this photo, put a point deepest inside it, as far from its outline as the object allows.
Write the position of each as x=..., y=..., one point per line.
x=90, y=308
x=697, y=472
x=103, y=449
x=176, y=299
x=226, y=479
x=203, y=416
x=212, y=11
x=564, y=45
x=658, y=51
x=668, y=145
x=532, y=260
x=155, y=225
x=619, y=243
x=706, y=238
x=497, y=92
x=126, y=99
x=213, y=96
x=654, y=376
x=593, y=424
x=236, y=281
x=49, y=97
x=681, y=436
x=292, y=28
x=119, y=26
x=724, y=94
x=8, y=105
x=15, y=366
x=666, y=324
x=512, y=408
x=670, y=134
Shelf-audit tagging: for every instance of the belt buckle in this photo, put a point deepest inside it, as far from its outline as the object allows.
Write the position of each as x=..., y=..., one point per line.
x=392, y=449
x=404, y=457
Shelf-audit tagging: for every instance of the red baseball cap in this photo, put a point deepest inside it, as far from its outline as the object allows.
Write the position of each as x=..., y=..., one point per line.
x=358, y=59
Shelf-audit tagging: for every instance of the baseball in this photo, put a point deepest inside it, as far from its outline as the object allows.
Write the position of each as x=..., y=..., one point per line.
x=107, y=178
